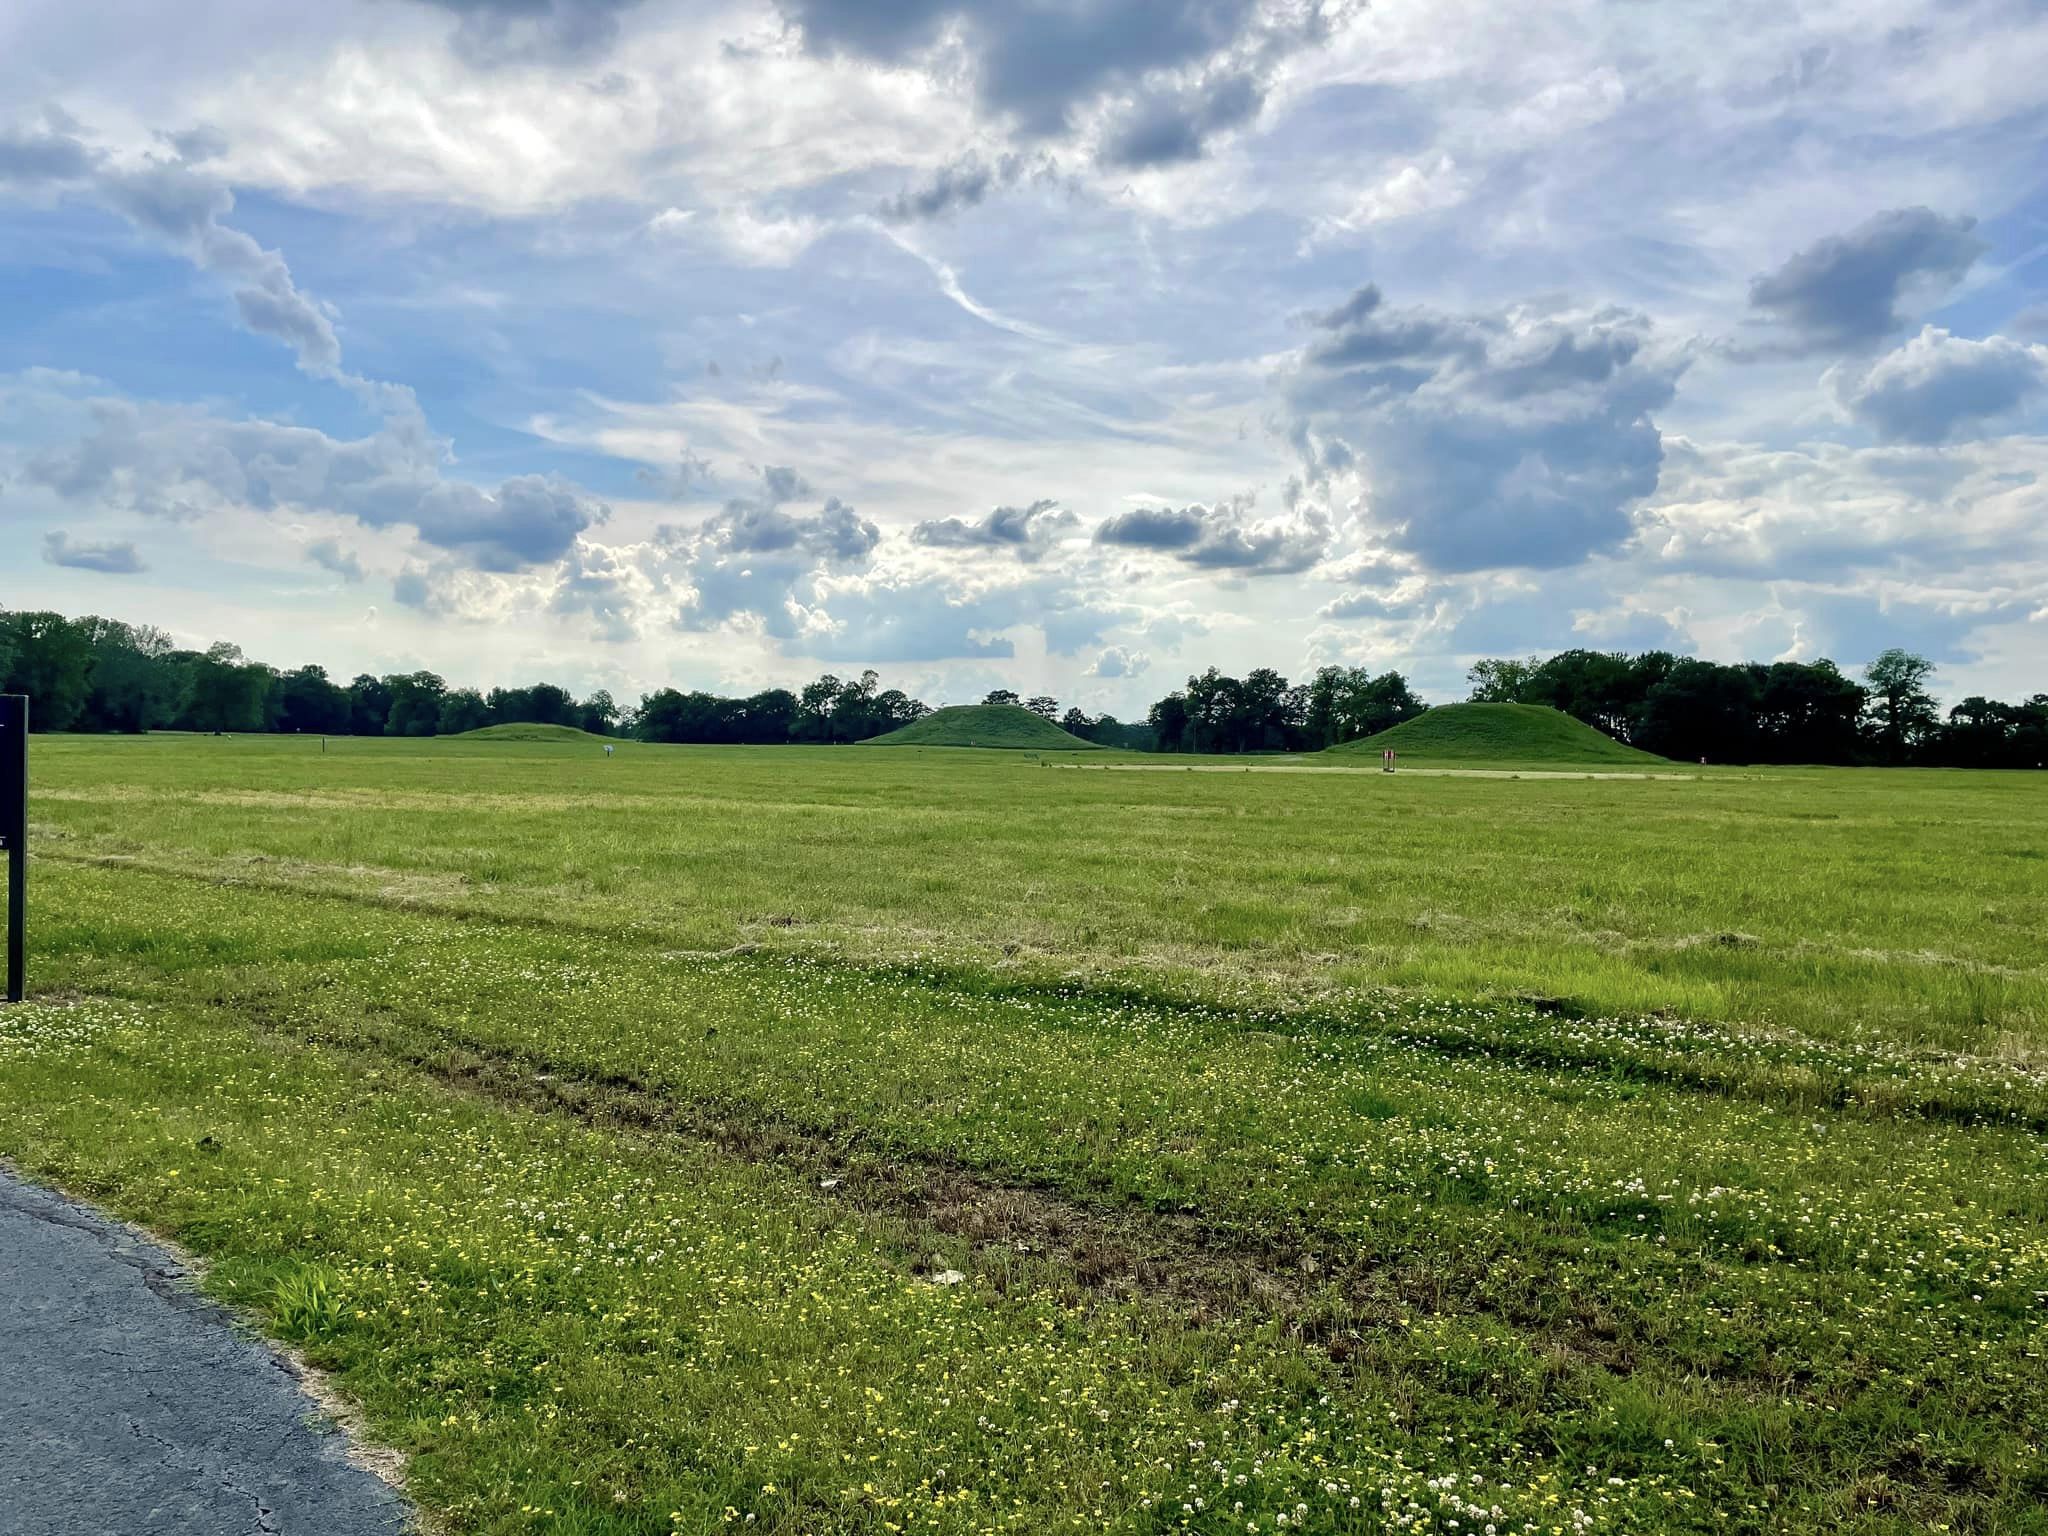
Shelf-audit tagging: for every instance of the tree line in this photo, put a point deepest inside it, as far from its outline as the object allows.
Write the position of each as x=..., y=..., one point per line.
x=96, y=674
x=1261, y=712
x=1675, y=706
x=1783, y=712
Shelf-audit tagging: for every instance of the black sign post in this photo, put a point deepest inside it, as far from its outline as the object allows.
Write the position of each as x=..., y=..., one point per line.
x=14, y=833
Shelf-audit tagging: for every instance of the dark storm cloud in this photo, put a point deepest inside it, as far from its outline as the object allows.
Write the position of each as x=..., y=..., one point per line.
x=1223, y=537
x=111, y=557
x=1026, y=532
x=1036, y=61
x=1485, y=440
x=1845, y=292
x=1938, y=387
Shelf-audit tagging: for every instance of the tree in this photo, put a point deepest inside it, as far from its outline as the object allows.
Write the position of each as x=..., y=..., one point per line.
x=229, y=692
x=415, y=704
x=894, y=709
x=1168, y=720
x=768, y=716
x=307, y=701
x=1043, y=705
x=1901, y=712
x=462, y=709
x=814, y=707
x=1597, y=687
x=546, y=704
x=1807, y=712
x=599, y=713
x=51, y=663
x=1345, y=703
x=134, y=684
x=1076, y=722
x=1496, y=680
x=853, y=712
x=1701, y=709
x=1001, y=696
x=369, y=705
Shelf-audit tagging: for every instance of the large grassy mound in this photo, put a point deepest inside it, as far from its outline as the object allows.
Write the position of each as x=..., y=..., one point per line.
x=1502, y=733
x=985, y=725
x=530, y=733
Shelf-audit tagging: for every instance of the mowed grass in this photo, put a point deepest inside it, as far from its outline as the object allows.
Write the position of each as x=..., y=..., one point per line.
x=1525, y=734
x=1901, y=905
x=676, y=1143
x=1008, y=726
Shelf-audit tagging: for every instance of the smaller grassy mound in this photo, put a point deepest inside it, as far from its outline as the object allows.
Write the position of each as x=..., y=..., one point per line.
x=530, y=733
x=985, y=725
x=1502, y=733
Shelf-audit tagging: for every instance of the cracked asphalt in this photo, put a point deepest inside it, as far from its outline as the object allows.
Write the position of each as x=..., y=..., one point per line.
x=131, y=1405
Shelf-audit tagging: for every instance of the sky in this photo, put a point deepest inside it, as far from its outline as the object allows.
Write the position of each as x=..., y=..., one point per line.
x=1068, y=346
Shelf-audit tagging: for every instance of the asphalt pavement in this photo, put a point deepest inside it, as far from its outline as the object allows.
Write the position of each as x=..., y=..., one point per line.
x=131, y=1406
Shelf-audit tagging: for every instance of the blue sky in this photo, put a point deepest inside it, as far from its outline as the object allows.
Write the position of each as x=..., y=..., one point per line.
x=1064, y=345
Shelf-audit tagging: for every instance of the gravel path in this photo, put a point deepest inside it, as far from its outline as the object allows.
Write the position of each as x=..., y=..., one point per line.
x=130, y=1405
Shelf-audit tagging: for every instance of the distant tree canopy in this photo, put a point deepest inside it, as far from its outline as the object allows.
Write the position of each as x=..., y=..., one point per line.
x=1783, y=712
x=1260, y=712
x=832, y=709
x=96, y=674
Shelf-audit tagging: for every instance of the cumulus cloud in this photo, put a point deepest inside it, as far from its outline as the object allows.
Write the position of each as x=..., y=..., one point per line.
x=757, y=524
x=1223, y=537
x=900, y=617
x=1848, y=291
x=175, y=461
x=604, y=585
x=1026, y=532
x=1120, y=661
x=1404, y=600
x=1821, y=511
x=1175, y=124
x=414, y=587
x=1938, y=387
x=755, y=559
x=1174, y=71
x=183, y=207
x=111, y=557
x=330, y=556
x=1511, y=438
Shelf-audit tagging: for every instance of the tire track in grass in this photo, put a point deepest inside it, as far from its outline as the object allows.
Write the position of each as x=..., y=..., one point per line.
x=1531, y=1032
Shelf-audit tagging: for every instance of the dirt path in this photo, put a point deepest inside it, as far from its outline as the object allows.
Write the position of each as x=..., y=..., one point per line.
x=128, y=1403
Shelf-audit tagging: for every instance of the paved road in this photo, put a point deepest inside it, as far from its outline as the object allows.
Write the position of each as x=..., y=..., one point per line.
x=131, y=1407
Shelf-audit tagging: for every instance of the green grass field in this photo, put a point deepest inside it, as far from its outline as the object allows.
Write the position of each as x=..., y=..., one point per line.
x=555, y=733
x=984, y=725
x=1515, y=734
x=941, y=1141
